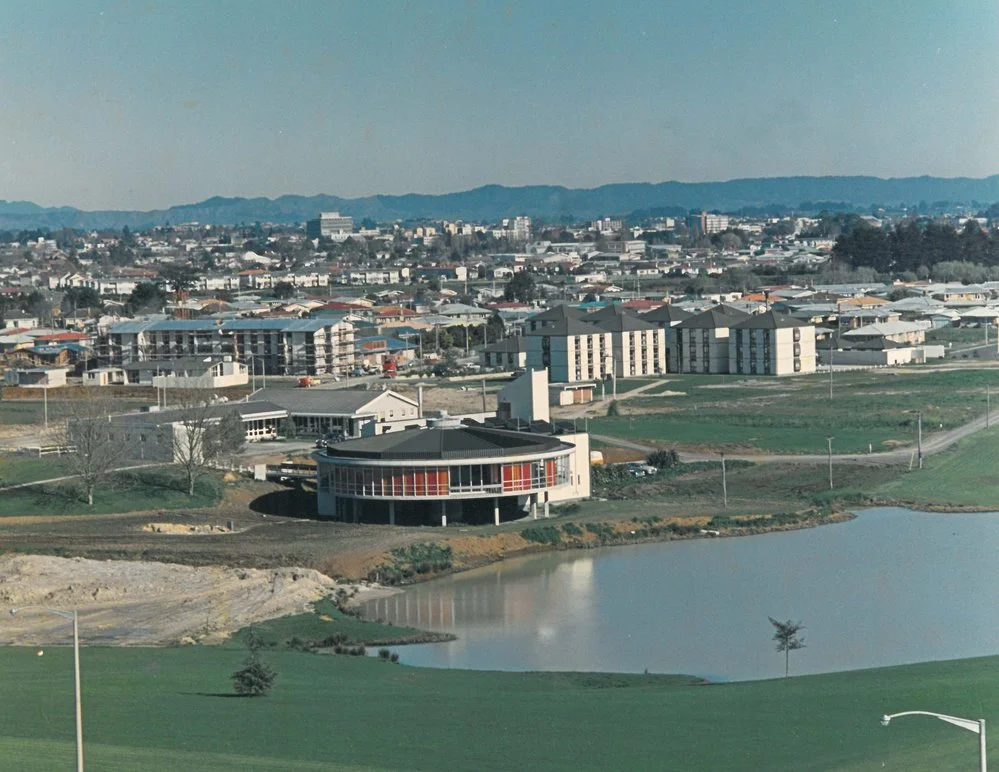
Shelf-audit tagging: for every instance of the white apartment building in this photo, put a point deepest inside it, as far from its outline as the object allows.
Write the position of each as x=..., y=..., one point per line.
x=273, y=346
x=703, y=340
x=771, y=344
x=638, y=346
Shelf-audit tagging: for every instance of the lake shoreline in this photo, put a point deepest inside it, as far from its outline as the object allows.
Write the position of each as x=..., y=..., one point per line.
x=493, y=549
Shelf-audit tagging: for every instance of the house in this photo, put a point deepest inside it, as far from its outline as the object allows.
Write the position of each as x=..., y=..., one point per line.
x=36, y=377
x=105, y=376
x=188, y=373
x=911, y=333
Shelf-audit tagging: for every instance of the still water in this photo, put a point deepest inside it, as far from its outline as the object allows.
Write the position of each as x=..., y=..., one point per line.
x=892, y=586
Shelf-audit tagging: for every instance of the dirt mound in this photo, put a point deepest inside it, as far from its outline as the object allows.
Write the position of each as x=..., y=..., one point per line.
x=134, y=603
x=180, y=529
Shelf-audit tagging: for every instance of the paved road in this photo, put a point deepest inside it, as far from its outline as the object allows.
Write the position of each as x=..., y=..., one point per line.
x=933, y=443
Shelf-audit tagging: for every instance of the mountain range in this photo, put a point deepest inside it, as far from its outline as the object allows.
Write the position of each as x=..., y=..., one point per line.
x=551, y=203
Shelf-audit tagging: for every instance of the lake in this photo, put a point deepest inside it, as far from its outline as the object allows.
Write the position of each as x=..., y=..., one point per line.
x=891, y=587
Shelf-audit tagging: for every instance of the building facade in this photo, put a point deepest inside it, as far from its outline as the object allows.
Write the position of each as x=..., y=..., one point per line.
x=771, y=344
x=450, y=472
x=272, y=346
x=703, y=340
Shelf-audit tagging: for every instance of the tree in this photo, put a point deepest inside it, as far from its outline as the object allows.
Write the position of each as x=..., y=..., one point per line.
x=81, y=297
x=521, y=287
x=256, y=677
x=206, y=436
x=146, y=296
x=96, y=451
x=283, y=290
x=786, y=635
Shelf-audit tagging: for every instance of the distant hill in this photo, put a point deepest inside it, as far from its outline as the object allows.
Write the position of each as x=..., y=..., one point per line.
x=494, y=202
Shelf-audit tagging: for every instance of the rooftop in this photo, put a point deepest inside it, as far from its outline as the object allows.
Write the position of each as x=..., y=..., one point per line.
x=450, y=444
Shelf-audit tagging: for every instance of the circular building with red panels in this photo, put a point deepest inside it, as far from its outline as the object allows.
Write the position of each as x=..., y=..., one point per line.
x=446, y=473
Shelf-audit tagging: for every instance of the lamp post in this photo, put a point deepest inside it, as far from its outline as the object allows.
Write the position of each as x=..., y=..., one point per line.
x=71, y=615
x=919, y=437
x=972, y=725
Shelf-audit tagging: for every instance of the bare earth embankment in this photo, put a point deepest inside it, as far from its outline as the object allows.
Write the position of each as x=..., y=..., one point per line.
x=133, y=603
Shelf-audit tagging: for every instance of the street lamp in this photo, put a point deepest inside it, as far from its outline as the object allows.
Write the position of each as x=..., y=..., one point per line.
x=71, y=615
x=972, y=725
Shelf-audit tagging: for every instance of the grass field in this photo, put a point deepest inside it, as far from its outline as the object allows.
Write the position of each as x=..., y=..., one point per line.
x=324, y=621
x=16, y=469
x=963, y=475
x=871, y=409
x=133, y=491
x=168, y=709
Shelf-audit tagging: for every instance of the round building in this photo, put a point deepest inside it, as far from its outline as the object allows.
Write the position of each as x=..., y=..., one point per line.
x=450, y=472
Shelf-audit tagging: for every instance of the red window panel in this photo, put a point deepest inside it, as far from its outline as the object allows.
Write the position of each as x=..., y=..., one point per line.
x=396, y=482
x=410, y=482
x=550, y=472
x=421, y=483
x=508, y=477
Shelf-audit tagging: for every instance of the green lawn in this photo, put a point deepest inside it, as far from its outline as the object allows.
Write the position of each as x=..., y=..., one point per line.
x=168, y=709
x=133, y=491
x=869, y=409
x=21, y=469
x=963, y=475
x=327, y=620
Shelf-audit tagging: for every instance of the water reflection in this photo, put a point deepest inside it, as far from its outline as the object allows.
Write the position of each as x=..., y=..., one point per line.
x=893, y=586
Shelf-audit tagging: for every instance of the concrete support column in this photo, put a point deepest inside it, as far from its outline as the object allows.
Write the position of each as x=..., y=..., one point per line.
x=496, y=511
x=443, y=514
x=546, y=505
x=391, y=513
x=534, y=506
x=334, y=513
x=355, y=509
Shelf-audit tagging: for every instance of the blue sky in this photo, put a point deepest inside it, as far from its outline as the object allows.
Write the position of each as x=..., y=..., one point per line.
x=145, y=104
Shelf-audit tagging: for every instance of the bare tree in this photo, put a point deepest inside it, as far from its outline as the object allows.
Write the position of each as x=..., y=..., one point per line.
x=206, y=435
x=786, y=635
x=90, y=434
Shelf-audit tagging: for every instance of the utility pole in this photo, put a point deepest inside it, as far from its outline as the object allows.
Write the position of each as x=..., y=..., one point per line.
x=830, y=365
x=919, y=437
x=483, y=395
x=45, y=399
x=724, y=483
x=829, y=444
x=988, y=404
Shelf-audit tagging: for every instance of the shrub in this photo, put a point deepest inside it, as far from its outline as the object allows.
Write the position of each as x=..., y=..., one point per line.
x=613, y=409
x=394, y=657
x=571, y=529
x=663, y=459
x=384, y=654
x=543, y=534
x=600, y=530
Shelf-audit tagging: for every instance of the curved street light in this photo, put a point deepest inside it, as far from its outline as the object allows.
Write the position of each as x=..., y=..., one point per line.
x=72, y=616
x=972, y=725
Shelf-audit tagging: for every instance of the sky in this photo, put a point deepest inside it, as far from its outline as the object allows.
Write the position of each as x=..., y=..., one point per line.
x=145, y=104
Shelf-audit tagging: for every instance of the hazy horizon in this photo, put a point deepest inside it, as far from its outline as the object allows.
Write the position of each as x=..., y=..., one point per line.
x=133, y=106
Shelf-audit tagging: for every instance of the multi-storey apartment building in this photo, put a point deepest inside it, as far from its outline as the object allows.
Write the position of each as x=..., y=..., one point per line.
x=638, y=346
x=668, y=317
x=703, y=340
x=278, y=346
x=771, y=344
x=571, y=349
